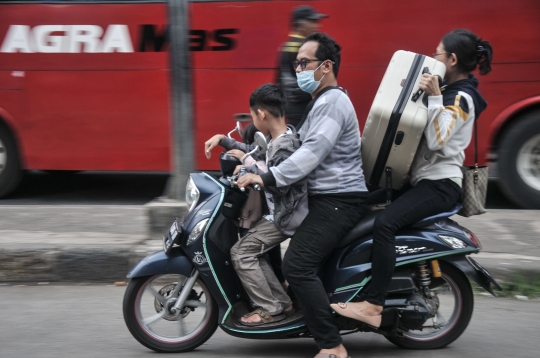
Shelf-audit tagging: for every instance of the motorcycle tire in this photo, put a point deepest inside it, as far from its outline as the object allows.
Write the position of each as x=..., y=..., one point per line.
x=145, y=332
x=519, y=166
x=459, y=319
x=10, y=163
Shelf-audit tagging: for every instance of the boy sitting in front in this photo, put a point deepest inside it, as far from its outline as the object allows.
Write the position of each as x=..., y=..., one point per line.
x=287, y=205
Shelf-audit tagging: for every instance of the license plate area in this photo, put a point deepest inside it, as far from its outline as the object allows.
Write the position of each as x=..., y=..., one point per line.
x=172, y=237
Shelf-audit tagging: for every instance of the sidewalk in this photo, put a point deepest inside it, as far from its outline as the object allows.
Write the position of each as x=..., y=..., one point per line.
x=100, y=243
x=69, y=243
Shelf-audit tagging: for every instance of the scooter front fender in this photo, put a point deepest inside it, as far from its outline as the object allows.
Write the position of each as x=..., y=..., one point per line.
x=160, y=263
x=474, y=271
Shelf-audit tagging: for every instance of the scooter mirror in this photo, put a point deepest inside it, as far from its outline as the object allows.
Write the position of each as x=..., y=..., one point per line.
x=260, y=141
x=242, y=117
x=240, y=129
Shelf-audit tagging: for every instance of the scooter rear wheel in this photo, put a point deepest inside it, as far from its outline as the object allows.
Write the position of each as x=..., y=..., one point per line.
x=454, y=313
x=147, y=314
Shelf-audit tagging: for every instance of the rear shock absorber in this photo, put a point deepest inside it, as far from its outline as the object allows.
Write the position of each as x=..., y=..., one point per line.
x=422, y=274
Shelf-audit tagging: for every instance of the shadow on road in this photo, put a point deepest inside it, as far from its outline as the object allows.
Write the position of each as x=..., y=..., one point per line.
x=496, y=199
x=87, y=188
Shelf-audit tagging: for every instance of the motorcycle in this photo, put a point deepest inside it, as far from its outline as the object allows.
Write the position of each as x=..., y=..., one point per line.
x=178, y=297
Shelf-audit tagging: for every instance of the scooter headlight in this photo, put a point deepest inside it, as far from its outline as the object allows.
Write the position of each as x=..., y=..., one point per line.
x=453, y=242
x=196, y=231
x=192, y=194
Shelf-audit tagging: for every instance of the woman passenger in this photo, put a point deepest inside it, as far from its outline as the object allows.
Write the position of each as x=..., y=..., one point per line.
x=436, y=176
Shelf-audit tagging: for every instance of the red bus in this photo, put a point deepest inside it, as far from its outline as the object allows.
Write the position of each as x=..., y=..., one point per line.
x=85, y=85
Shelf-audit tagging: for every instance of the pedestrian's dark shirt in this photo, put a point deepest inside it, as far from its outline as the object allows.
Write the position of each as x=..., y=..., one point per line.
x=297, y=100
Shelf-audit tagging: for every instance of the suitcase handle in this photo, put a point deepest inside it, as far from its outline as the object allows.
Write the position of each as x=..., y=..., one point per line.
x=420, y=92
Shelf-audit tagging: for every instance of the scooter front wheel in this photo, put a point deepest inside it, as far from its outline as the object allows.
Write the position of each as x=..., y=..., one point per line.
x=456, y=300
x=151, y=319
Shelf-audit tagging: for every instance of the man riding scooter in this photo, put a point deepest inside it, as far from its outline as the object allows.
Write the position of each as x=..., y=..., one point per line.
x=330, y=158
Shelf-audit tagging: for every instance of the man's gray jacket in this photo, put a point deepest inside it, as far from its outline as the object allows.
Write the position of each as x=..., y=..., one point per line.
x=330, y=154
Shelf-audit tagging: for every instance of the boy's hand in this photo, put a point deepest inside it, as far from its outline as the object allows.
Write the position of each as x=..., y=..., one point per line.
x=237, y=153
x=248, y=179
x=211, y=144
x=237, y=169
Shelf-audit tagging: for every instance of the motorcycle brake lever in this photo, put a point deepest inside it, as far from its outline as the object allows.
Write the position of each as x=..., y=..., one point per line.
x=233, y=180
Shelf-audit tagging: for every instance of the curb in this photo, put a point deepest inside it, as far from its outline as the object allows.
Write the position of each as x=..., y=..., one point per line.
x=71, y=265
x=505, y=268
x=51, y=256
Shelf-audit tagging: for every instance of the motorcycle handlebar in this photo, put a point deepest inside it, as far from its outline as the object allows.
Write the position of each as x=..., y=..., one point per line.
x=233, y=180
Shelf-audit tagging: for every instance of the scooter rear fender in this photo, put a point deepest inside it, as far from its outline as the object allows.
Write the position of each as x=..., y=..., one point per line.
x=160, y=263
x=474, y=271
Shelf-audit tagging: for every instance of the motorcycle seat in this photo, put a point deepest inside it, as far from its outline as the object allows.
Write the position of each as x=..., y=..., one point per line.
x=363, y=228
x=365, y=225
x=434, y=218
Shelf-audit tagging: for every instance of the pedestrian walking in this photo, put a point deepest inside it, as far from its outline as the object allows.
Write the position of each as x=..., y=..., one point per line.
x=304, y=21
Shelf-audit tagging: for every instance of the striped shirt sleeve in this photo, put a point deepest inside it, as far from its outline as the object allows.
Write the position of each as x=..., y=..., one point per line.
x=324, y=127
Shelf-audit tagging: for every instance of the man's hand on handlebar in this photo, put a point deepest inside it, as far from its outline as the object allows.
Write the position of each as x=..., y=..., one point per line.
x=248, y=179
x=211, y=144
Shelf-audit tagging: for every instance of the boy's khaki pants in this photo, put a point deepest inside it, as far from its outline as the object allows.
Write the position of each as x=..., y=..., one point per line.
x=256, y=275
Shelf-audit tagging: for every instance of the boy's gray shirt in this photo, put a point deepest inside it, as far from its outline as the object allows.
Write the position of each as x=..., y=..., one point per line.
x=291, y=201
x=330, y=153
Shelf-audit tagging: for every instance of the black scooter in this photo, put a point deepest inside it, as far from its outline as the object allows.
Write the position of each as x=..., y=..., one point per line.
x=178, y=297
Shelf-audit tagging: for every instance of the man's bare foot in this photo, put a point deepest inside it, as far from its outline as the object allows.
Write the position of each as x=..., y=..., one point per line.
x=339, y=351
x=288, y=310
x=251, y=319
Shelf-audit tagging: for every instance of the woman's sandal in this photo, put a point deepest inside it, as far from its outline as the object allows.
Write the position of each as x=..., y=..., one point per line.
x=265, y=318
x=345, y=310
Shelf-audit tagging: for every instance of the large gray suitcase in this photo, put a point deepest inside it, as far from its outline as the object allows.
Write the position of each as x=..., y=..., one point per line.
x=397, y=119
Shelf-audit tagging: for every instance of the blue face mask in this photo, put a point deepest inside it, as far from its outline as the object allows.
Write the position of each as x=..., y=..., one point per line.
x=306, y=80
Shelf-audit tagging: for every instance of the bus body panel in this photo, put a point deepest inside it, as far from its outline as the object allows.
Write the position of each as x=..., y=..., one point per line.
x=508, y=114
x=93, y=93
x=74, y=119
x=88, y=111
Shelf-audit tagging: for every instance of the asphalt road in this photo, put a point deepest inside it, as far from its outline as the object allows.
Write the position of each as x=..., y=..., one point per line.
x=86, y=321
x=102, y=188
